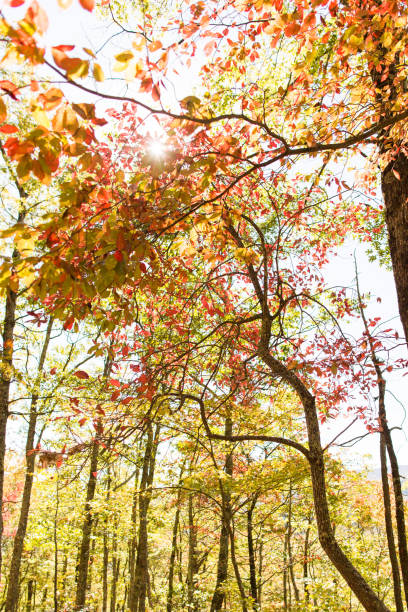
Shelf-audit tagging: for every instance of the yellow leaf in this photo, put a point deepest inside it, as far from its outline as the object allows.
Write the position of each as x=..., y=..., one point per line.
x=386, y=39
x=98, y=73
x=89, y=52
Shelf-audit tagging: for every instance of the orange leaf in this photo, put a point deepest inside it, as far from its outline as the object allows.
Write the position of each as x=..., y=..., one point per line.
x=88, y=5
x=8, y=129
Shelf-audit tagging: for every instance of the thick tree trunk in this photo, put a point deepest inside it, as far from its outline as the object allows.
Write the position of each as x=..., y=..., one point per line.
x=389, y=529
x=222, y=567
x=251, y=555
x=83, y=563
x=18, y=544
x=394, y=182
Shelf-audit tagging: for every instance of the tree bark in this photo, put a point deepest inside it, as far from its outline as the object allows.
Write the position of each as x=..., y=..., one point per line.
x=251, y=555
x=192, y=566
x=394, y=183
x=6, y=370
x=83, y=563
x=173, y=554
x=290, y=556
x=306, y=564
x=222, y=566
x=115, y=575
x=18, y=544
x=105, y=551
x=399, y=503
x=138, y=593
x=389, y=529
x=30, y=593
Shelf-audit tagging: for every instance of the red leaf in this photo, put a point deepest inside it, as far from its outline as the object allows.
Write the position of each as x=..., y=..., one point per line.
x=115, y=395
x=53, y=370
x=82, y=421
x=118, y=256
x=94, y=474
x=64, y=47
x=114, y=382
x=88, y=5
x=8, y=129
x=15, y=3
x=69, y=323
x=81, y=374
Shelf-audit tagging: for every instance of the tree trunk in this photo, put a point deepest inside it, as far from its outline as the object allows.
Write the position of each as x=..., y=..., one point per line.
x=105, y=550
x=138, y=594
x=222, y=567
x=133, y=533
x=236, y=568
x=399, y=503
x=6, y=373
x=56, y=549
x=394, y=183
x=260, y=572
x=115, y=575
x=192, y=566
x=389, y=529
x=290, y=556
x=251, y=555
x=83, y=563
x=30, y=593
x=18, y=544
x=306, y=564
x=173, y=554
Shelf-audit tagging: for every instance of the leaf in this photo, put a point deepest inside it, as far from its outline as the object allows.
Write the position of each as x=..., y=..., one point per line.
x=8, y=129
x=81, y=374
x=155, y=93
x=15, y=3
x=10, y=89
x=88, y=5
x=64, y=4
x=98, y=73
x=3, y=111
